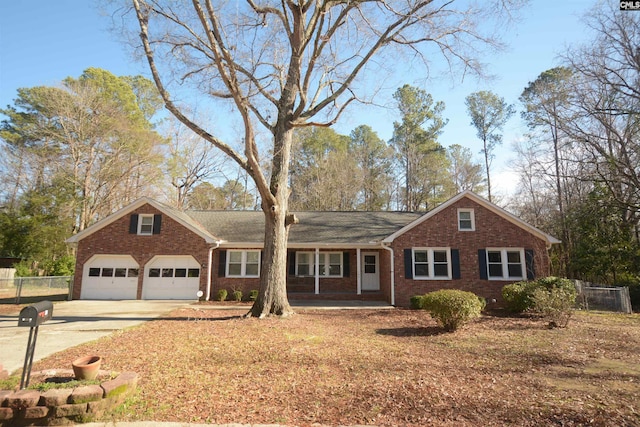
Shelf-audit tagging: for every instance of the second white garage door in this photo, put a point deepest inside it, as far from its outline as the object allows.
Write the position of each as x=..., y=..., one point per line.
x=171, y=277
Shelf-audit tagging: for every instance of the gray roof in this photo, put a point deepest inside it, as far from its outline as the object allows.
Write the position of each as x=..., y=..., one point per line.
x=313, y=227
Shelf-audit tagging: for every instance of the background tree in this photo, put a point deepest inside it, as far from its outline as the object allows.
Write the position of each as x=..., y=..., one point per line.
x=191, y=160
x=546, y=102
x=489, y=113
x=422, y=160
x=374, y=159
x=323, y=176
x=464, y=171
x=77, y=153
x=291, y=64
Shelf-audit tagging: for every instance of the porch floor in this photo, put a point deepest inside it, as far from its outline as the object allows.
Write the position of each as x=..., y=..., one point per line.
x=340, y=304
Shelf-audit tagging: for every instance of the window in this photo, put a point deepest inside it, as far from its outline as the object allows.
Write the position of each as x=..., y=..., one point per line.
x=145, y=225
x=431, y=263
x=243, y=264
x=305, y=264
x=505, y=264
x=94, y=272
x=466, y=220
x=330, y=264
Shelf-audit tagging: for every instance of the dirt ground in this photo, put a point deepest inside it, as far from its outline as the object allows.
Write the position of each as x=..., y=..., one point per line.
x=375, y=367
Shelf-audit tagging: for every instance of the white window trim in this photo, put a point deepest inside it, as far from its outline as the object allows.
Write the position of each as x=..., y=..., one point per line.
x=505, y=264
x=140, y=218
x=430, y=261
x=473, y=219
x=323, y=260
x=243, y=264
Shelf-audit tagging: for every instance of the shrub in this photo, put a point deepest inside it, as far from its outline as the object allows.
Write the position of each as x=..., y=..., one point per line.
x=415, y=302
x=519, y=296
x=222, y=294
x=237, y=295
x=253, y=294
x=555, y=305
x=516, y=297
x=452, y=308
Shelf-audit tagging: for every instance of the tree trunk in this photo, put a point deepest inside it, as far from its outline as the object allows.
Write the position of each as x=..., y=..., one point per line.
x=272, y=296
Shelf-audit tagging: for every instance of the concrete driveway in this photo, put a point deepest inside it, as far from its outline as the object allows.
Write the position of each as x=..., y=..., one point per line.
x=73, y=323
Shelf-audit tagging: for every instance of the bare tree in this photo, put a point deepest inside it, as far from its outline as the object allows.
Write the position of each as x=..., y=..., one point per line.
x=489, y=113
x=192, y=160
x=291, y=64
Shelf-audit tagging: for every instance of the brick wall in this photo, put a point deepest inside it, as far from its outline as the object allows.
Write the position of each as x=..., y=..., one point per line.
x=441, y=230
x=115, y=239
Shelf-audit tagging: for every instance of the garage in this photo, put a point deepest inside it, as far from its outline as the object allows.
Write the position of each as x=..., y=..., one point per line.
x=110, y=277
x=171, y=277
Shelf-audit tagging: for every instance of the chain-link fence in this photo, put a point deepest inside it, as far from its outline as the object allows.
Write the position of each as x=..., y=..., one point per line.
x=30, y=289
x=594, y=297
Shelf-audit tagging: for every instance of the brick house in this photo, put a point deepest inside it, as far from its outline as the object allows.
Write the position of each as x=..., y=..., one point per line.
x=151, y=251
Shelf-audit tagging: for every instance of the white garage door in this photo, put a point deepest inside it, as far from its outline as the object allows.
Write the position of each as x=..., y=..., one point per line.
x=110, y=277
x=171, y=277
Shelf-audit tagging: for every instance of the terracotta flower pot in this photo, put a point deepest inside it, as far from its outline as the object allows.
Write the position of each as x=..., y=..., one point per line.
x=86, y=368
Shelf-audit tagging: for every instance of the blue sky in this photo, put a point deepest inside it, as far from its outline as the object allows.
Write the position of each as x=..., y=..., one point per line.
x=44, y=41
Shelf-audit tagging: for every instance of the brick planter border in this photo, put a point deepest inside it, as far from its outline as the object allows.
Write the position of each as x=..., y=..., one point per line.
x=64, y=406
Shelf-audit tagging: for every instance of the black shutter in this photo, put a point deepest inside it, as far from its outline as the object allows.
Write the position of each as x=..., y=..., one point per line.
x=157, y=223
x=455, y=264
x=222, y=264
x=482, y=262
x=292, y=263
x=408, y=264
x=346, y=271
x=133, y=224
x=528, y=259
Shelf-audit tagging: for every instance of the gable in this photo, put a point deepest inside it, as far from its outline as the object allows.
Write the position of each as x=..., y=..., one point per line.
x=446, y=215
x=148, y=208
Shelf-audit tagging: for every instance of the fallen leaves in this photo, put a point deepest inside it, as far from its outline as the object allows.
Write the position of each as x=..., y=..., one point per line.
x=387, y=368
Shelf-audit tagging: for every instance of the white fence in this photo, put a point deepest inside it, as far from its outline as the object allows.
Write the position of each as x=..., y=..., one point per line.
x=594, y=297
x=34, y=287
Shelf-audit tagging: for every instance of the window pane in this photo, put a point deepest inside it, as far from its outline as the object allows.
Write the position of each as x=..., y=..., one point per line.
x=121, y=272
x=94, y=272
x=422, y=270
x=252, y=270
x=494, y=256
x=253, y=257
x=235, y=257
x=154, y=272
x=194, y=272
x=181, y=272
x=370, y=268
x=439, y=256
x=167, y=272
x=303, y=270
x=420, y=256
x=465, y=215
x=335, y=258
x=107, y=272
x=495, y=270
x=303, y=258
x=235, y=269
x=146, y=224
x=513, y=256
x=132, y=272
x=334, y=270
x=441, y=270
x=515, y=270
x=322, y=270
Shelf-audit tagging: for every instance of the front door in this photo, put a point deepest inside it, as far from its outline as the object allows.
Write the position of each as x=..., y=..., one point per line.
x=370, y=271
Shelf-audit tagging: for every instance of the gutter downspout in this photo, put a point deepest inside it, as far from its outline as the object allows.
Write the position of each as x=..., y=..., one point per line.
x=393, y=274
x=210, y=260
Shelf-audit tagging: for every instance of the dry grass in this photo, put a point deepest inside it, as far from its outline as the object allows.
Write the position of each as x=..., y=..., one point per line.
x=387, y=368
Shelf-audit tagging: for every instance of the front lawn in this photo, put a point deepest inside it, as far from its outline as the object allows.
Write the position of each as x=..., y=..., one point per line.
x=387, y=367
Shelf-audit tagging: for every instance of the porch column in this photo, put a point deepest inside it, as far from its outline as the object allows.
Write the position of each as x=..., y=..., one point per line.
x=317, y=272
x=358, y=273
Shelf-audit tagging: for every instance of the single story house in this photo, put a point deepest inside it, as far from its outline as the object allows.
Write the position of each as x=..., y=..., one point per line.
x=151, y=251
